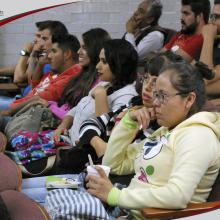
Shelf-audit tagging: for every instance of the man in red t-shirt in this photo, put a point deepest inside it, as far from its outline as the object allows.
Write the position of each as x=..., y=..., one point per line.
x=63, y=58
x=188, y=42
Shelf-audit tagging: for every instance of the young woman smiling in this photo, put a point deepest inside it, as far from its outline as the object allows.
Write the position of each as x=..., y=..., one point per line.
x=116, y=73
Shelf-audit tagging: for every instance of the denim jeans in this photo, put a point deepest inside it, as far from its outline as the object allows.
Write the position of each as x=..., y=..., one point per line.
x=35, y=187
x=5, y=102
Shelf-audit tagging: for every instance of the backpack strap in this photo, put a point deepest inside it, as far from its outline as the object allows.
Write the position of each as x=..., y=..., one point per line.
x=50, y=163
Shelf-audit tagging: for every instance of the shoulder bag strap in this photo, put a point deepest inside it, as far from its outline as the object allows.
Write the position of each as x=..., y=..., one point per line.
x=50, y=163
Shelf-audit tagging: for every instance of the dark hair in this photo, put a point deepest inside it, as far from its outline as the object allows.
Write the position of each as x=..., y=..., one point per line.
x=55, y=27
x=186, y=78
x=154, y=62
x=198, y=7
x=94, y=46
x=159, y=60
x=122, y=59
x=67, y=42
x=80, y=85
x=155, y=10
x=216, y=2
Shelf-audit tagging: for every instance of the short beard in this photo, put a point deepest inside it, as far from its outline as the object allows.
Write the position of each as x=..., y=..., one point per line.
x=191, y=29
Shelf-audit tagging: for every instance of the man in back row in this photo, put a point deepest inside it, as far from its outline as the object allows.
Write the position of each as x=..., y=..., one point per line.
x=188, y=42
x=210, y=53
x=38, y=59
x=142, y=29
x=63, y=58
x=28, y=61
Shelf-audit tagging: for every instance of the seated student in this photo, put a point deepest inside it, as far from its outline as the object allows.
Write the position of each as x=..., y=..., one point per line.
x=77, y=87
x=142, y=29
x=117, y=65
x=117, y=68
x=18, y=71
x=41, y=46
x=64, y=50
x=188, y=42
x=179, y=162
x=90, y=46
x=51, y=85
x=42, y=43
x=38, y=44
x=95, y=131
x=38, y=59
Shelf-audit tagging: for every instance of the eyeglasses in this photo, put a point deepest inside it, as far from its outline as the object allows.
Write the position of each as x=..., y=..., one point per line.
x=163, y=97
x=214, y=17
x=146, y=79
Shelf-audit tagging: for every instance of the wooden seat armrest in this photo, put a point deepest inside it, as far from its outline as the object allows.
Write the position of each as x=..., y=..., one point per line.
x=9, y=87
x=7, y=74
x=21, y=85
x=191, y=209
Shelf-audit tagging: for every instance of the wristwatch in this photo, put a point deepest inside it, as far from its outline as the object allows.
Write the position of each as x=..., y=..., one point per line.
x=24, y=53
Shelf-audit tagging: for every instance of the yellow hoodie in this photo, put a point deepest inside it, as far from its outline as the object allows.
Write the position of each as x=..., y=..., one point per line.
x=172, y=168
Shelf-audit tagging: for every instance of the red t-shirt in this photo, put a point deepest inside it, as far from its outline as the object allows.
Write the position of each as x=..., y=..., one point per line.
x=192, y=44
x=51, y=85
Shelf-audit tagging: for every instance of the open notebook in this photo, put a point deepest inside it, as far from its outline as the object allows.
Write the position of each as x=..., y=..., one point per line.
x=53, y=182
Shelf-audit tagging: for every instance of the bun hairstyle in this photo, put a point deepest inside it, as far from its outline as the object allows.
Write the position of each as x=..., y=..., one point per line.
x=204, y=70
x=186, y=78
x=155, y=61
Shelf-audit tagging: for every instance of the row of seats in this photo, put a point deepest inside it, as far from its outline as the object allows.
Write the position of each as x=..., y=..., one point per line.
x=20, y=207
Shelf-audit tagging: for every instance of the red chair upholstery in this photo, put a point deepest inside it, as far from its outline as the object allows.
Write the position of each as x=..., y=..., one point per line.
x=3, y=142
x=10, y=174
x=21, y=207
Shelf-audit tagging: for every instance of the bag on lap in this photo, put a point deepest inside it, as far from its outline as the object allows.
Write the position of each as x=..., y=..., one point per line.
x=31, y=118
x=76, y=158
x=34, y=152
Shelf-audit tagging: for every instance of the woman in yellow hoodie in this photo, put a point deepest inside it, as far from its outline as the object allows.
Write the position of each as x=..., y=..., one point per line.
x=179, y=162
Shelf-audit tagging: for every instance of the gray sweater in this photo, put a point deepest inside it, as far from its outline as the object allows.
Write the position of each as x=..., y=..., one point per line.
x=86, y=107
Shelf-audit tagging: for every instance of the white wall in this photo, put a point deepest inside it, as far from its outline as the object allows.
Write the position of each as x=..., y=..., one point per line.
x=79, y=17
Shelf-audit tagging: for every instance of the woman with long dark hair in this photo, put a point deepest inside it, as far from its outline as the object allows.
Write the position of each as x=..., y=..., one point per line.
x=90, y=46
x=116, y=72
